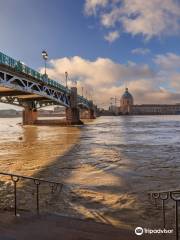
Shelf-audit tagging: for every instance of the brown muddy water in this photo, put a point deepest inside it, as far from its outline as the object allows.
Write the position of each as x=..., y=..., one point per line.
x=107, y=166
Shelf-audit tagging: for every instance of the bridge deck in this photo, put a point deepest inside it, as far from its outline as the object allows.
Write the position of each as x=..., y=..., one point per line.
x=4, y=91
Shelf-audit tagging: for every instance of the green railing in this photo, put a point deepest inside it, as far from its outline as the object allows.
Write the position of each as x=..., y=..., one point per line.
x=82, y=99
x=20, y=67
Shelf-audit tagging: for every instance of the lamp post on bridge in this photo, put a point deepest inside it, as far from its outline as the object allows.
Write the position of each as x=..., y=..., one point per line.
x=66, y=78
x=45, y=57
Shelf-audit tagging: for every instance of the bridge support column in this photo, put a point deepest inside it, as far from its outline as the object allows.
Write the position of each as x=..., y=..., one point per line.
x=92, y=114
x=87, y=114
x=72, y=113
x=29, y=116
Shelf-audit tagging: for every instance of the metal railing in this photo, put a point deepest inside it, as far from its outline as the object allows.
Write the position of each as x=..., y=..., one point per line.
x=163, y=197
x=54, y=187
x=22, y=68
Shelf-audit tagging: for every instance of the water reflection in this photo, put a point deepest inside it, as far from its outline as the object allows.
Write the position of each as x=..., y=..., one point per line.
x=25, y=150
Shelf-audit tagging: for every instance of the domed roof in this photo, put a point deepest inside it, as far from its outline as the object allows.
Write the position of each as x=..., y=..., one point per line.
x=127, y=95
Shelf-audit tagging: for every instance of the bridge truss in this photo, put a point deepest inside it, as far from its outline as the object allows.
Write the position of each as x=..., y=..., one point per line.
x=19, y=91
x=21, y=86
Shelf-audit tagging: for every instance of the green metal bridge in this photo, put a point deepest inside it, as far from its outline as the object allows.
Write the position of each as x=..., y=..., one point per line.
x=19, y=83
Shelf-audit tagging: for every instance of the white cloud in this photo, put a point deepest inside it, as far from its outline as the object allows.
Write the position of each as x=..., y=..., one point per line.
x=91, y=6
x=149, y=18
x=175, y=81
x=107, y=78
x=109, y=19
x=112, y=36
x=168, y=61
x=141, y=51
x=102, y=71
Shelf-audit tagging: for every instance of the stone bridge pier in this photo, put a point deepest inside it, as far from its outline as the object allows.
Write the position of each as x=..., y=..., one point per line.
x=29, y=115
x=72, y=113
x=88, y=113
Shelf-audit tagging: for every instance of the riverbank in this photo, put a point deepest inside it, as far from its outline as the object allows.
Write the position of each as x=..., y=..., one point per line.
x=53, y=227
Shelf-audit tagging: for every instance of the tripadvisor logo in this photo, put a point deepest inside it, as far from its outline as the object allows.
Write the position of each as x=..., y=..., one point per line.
x=139, y=231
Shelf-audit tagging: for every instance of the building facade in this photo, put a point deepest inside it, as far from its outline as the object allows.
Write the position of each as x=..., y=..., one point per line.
x=126, y=103
x=127, y=107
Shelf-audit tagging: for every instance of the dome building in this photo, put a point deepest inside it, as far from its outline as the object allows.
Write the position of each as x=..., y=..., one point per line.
x=127, y=107
x=126, y=103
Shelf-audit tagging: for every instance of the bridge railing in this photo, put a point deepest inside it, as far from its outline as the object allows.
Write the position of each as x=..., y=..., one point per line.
x=37, y=183
x=84, y=100
x=20, y=67
x=165, y=199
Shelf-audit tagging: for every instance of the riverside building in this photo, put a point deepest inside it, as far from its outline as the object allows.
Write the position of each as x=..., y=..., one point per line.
x=127, y=107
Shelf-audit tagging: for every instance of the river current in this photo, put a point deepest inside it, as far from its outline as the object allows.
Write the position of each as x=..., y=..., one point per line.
x=108, y=166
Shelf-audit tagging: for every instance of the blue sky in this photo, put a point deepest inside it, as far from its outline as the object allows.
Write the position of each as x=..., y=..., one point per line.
x=61, y=27
x=69, y=28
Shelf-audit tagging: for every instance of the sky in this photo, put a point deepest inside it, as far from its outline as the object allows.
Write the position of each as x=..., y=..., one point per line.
x=104, y=45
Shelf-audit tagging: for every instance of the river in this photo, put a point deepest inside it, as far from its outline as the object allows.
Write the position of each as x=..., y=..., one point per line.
x=107, y=166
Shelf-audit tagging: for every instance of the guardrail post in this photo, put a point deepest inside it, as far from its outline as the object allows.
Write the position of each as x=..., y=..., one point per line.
x=176, y=219
x=15, y=180
x=163, y=213
x=37, y=183
x=174, y=196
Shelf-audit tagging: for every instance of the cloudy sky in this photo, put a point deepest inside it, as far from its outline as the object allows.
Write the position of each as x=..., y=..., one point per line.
x=104, y=45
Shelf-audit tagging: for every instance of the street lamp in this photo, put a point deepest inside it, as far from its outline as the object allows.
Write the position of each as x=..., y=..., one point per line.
x=45, y=57
x=66, y=75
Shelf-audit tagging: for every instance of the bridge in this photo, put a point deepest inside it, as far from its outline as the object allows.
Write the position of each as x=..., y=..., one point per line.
x=24, y=87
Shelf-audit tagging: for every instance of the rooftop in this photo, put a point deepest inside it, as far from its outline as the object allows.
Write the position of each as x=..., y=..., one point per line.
x=126, y=94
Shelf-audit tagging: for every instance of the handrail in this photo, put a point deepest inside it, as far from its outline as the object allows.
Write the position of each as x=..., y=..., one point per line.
x=163, y=196
x=37, y=181
x=25, y=177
